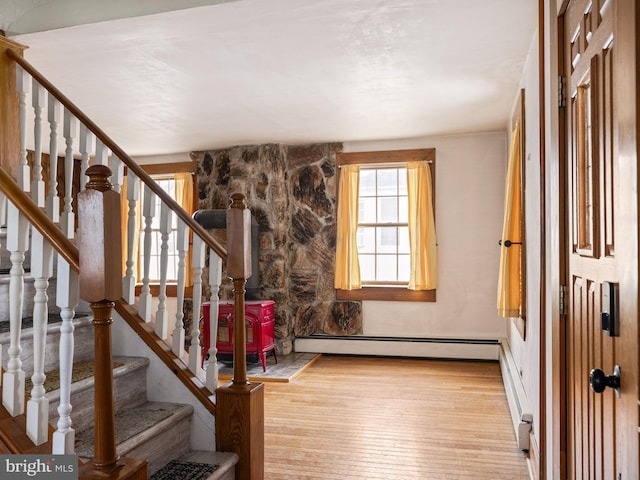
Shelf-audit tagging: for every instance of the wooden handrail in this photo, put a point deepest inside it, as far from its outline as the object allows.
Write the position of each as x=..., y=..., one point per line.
x=118, y=152
x=65, y=247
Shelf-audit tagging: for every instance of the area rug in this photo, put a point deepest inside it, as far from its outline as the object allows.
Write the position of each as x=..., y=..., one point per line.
x=288, y=367
x=176, y=470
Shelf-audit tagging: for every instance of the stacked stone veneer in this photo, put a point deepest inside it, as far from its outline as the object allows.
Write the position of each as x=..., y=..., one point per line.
x=291, y=191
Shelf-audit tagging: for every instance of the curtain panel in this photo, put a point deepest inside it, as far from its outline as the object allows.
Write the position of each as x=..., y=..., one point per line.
x=510, y=274
x=347, y=276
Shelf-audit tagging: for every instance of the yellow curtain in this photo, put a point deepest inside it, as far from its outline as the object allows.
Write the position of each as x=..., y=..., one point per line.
x=509, y=290
x=347, y=276
x=422, y=230
x=184, y=196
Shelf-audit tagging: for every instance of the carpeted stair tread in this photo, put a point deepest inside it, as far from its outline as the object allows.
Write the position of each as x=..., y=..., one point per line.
x=178, y=470
x=81, y=370
x=135, y=423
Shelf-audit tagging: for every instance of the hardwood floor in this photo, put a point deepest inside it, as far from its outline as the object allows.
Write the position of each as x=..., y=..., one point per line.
x=379, y=418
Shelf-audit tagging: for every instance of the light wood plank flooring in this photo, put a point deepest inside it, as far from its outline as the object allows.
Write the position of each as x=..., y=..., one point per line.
x=379, y=418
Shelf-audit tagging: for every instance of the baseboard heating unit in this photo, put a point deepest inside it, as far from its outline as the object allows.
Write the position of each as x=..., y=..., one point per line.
x=521, y=415
x=446, y=348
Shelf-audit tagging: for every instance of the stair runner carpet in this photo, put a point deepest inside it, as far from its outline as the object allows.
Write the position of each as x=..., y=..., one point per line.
x=27, y=322
x=177, y=470
x=81, y=370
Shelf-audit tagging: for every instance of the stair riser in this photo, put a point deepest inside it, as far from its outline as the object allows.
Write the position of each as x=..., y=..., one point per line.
x=159, y=447
x=83, y=346
x=129, y=391
x=29, y=293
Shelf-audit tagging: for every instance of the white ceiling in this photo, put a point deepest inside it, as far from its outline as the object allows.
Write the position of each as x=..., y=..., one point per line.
x=290, y=71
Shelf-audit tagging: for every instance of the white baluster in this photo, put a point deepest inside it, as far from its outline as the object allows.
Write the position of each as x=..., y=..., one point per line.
x=23, y=81
x=53, y=201
x=215, y=274
x=117, y=177
x=37, y=184
x=68, y=217
x=133, y=195
x=162, y=319
x=38, y=404
x=86, y=145
x=102, y=153
x=67, y=300
x=182, y=245
x=195, y=352
x=13, y=380
x=148, y=211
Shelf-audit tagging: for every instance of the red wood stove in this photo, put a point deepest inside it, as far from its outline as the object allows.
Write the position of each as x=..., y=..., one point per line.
x=259, y=322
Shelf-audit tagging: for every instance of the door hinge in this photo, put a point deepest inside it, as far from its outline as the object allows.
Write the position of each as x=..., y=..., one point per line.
x=562, y=91
x=563, y=300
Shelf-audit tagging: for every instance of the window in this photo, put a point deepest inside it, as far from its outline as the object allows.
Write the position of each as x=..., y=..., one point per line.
x=178, y=181
x=374, y=259
x=383, y=229
x=168, y=184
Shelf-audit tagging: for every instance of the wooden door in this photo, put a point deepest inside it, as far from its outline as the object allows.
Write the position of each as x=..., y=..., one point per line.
x=602, y=239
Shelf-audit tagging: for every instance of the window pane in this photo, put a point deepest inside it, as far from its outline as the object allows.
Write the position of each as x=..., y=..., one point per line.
x=402, y=181
x=386, y=268
x=387, y=240
x=404, y=268
x=367, y=183
x=366, y=238
x=403, y=240
x=388, y=181
x=367, y=210
x=367, y=268
x=154, y=268
x=388, y=210
x=403, y=209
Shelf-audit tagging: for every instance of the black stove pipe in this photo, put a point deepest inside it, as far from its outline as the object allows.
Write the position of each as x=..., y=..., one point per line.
x=217, y=219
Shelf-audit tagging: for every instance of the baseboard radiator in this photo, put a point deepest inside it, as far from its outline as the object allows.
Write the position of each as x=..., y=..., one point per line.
x=446, y=348
x=521, y=415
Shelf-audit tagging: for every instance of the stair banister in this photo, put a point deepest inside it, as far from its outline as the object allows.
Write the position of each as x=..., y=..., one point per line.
x=101, y=283
x=240, y=403
x=211, y=242
x=39, y=220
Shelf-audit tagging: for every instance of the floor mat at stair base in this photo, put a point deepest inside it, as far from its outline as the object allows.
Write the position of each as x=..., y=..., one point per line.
x=176, y=470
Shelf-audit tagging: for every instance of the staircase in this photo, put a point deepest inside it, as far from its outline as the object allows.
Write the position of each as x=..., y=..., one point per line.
x=65, y=248
x=156, y=431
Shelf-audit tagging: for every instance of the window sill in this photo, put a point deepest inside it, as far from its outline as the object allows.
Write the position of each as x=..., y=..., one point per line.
x=172, y=290
x=389, y=294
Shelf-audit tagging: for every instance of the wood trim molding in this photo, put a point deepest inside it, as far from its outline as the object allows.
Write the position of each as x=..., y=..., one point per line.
x=387, y=294
x=172, y=290
x=387, y=156
x=169, y=168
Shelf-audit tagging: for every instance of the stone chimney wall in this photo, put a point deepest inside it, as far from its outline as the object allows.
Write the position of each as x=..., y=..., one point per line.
x=291, y=191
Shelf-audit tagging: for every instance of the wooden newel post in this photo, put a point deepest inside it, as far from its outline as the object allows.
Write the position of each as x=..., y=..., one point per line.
x=9, y=126
x=100, y=246
x=240, y=404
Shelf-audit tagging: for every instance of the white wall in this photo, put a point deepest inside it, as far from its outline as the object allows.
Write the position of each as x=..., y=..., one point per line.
x=526, y=350
x=470, y=176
